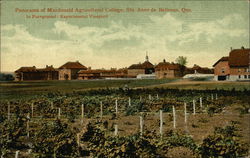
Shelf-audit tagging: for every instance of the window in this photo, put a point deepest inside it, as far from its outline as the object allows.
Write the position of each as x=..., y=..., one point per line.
x=248, y=76
x=222, y=70
x=239, y=76
x=245, y=76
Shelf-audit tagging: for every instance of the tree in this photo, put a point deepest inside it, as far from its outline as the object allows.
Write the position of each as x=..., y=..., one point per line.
x=181, y=60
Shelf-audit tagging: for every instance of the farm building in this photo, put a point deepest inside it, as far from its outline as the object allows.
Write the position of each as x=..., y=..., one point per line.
x=102, y=74
x=33, y=73
x=141, y=68
x=235, y=67
x=167, y=70
x=69, y=71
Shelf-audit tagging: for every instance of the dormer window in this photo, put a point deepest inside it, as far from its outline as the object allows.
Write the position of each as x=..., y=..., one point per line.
x=239, y=70
x=222, y=70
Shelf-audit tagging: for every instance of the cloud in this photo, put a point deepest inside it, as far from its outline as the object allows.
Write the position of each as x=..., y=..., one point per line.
x=116, y=45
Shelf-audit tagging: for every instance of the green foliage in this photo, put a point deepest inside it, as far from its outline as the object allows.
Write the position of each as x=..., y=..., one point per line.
x=222, y=143
x=55, y=138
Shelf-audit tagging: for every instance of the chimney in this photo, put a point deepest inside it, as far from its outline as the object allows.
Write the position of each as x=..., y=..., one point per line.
x=242, y=47
x=164, y=60
x=89, y=68
x=77, y=61
x=231, y=48
x=46, y=66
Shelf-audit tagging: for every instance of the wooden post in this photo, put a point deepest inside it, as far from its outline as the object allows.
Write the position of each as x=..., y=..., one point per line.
x=8, y=111
x=201, y=102
x=116, y=106
x=82, y=111
x=59, y=113
x=149, y=97
x=157, y=96
x=161, y=123
x=141, y=125
x=140, y=98
x=101, y=112
x=52, y=105
x=78, y=139
x=212, y=97
x=32, y=110
x=174, y=117
x=17, y=153
x=185, y=112
x=129, y=101
x=116, y=130
x=194, y=112
x=216, y=96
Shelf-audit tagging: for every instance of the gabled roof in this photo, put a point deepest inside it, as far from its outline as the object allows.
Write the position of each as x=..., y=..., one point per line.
x=239, y=57
x=73, y=65
x=167, y=65
x=145, y=65
x=26, y=69
x=221, y=59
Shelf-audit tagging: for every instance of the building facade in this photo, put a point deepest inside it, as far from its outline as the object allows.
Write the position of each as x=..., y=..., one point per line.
x=235, y=67
x=141, y=68
x=33, y=73
x=167, y=70
x=69, y=71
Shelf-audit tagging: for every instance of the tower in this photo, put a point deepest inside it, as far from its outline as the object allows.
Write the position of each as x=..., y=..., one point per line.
x=147, y=56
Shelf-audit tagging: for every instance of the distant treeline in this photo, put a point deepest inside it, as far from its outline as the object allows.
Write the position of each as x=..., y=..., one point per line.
x=6, y=77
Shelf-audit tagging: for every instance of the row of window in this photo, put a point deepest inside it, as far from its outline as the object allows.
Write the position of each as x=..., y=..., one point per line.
x=244, y=76
x=239, y=70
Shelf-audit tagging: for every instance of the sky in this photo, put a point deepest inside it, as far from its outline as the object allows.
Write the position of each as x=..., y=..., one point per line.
x=203, y=35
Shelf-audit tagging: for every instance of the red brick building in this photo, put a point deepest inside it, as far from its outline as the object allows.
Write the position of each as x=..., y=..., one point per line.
x=69, y=71
x=102, y=74
x=235, y=67
x=167, y=70
x=33, y=73
x=141, y=68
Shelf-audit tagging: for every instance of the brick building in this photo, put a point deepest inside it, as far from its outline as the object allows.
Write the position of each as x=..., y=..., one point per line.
x=69, y=71
x=33, y=73
x=167, y=70
x=235, y=67
x=141, y=68
x=102, y=74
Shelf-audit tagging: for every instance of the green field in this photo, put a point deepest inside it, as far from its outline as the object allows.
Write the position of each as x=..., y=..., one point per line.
x=10, y=90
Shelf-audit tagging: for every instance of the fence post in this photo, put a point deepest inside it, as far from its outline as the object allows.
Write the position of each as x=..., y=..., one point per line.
x=59, y=113
x=157, y=96
x=201, y=102
x=17, y=153
x=52, y=105
x=161, y=123
x=28, y=126
x=141, y=125
x=140, y=98
x=129, y=101
x=149, y=97
x=32, y=110
x=216, y=96
x=78, y=139
x=194, y=112
x=212, y=97
x=101, y=112
x=82, y=111
x=8, y=111
x=116, y=130
x=174, y=117
x=116, y=106
x=185, y=112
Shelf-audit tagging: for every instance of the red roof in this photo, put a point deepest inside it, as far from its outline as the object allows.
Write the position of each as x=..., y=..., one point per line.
x=26, y=69
x=221, y=59
x=167, y=65
x=239, y=57
x=145, y=65
x=73, y=65
x=34, y=69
